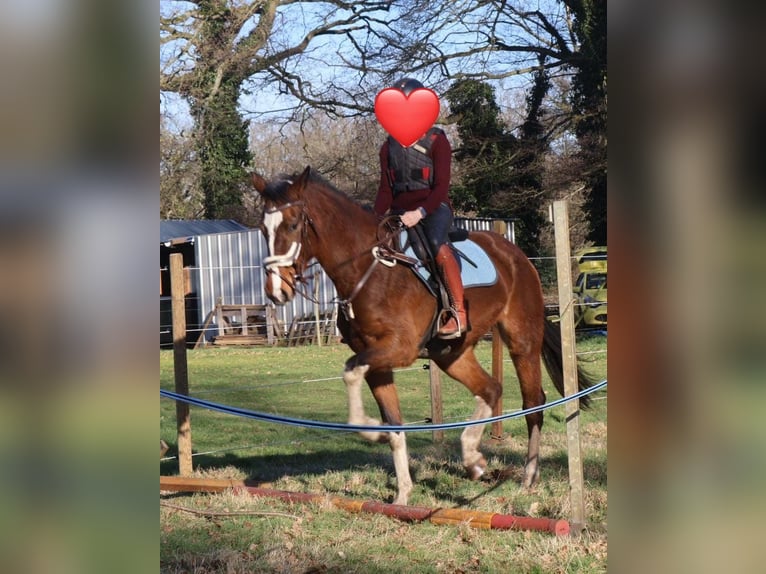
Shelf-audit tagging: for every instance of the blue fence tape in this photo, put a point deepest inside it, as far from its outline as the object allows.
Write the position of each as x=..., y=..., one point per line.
x=240, y=412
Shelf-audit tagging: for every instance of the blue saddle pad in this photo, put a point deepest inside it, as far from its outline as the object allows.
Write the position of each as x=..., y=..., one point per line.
x=477, y=269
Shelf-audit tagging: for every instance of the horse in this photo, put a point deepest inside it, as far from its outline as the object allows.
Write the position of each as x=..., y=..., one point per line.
x=387, y=313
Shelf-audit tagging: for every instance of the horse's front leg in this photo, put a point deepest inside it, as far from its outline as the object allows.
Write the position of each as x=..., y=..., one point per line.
x=384, y=391
x=353, y=377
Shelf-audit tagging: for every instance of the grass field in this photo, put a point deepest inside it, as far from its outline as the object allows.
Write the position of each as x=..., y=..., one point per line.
x=248, y=534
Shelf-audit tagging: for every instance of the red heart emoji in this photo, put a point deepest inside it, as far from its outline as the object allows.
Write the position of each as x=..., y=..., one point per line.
x=407, y=118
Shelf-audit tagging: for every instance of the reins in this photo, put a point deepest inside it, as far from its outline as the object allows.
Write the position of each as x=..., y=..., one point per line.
x=388, y=259
x=380, y=250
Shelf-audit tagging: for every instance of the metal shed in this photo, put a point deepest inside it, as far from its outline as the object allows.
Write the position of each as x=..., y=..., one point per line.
x=222, y=261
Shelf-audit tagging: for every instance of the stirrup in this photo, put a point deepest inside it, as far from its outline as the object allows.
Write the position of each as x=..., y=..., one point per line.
x=456, y=334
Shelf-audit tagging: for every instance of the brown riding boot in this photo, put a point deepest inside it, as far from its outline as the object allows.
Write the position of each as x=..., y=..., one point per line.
x=456, y=324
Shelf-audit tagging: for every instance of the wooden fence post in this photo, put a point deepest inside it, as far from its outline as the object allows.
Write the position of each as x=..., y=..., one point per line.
x=183, y=421
x=317, y=322
x=496, y=432
x=437, y=413
x=566, y=314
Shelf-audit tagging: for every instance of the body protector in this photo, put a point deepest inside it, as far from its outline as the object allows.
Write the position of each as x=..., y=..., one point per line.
x=411, y=168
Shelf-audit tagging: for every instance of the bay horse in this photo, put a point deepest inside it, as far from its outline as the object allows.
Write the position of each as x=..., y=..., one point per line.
x=386, y=311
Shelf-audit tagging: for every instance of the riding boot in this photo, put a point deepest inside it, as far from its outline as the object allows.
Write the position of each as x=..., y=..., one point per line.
x=450, y=270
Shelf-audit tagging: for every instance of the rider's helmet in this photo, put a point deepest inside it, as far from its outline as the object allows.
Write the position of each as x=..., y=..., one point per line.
x=407, y=85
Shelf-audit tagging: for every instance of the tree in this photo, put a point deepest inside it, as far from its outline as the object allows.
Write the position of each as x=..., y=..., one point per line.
x=485, y=149
x=336, y=55
x=501, y=174
x=489, y=41
x=180, y=195
x=344, y=151
x=212, y=49
x=589, y=98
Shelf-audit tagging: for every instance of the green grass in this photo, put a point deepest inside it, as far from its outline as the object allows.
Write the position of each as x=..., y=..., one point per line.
x=305, y=383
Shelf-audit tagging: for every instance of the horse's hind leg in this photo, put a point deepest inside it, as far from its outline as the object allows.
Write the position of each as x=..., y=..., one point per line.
x=486, y=391
x=532, y=395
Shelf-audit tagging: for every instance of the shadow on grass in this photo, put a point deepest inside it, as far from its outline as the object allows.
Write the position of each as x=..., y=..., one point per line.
x=271, y=467
x=268, y=468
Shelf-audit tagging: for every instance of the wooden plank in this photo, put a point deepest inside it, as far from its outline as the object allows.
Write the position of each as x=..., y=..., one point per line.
x=209, y=319
x=183, y=419
x=270, y=330
x=219, y=320
x=182, y=484
x=241, y=340
x=569, y=358
x=243, y=318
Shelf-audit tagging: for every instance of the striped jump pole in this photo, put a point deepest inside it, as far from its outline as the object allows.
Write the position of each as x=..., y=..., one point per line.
x=474, y=518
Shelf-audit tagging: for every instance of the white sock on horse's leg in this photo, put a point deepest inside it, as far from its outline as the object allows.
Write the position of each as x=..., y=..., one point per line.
x=473, y=460
x=398, y=442
x=356, y=415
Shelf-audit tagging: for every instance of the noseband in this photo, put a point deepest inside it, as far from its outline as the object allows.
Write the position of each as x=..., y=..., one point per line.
x=272, y=263
x=288, y=259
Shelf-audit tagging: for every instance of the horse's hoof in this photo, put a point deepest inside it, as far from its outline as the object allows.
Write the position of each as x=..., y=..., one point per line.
x=531, y=477
x=476, y=470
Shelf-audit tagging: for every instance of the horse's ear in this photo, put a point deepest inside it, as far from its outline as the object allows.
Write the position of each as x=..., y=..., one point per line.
x=303, y=179
x=258, y=182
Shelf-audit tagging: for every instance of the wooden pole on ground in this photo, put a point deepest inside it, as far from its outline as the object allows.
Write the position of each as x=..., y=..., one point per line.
x=183, y=421
x=437, y=414
x=569, y=358
x=445, y=516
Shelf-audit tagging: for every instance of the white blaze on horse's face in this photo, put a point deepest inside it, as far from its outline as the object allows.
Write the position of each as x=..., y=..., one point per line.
x=271, y=222
x=279, y=287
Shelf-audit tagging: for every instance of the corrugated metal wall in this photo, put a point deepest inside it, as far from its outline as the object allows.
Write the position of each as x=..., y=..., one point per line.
x=486, y=224
x=229, y=267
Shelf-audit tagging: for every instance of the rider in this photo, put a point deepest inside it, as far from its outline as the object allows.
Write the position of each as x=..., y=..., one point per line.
x=414, y=182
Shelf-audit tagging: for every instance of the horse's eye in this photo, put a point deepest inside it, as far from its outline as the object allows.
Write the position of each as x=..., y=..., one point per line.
x=293, y=226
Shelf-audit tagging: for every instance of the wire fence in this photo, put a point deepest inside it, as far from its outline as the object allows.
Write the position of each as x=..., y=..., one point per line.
x=306, y=423
x=236, y=283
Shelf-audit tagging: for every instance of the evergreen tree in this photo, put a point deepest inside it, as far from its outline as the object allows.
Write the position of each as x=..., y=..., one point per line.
x=502, y=174
x=589, y=100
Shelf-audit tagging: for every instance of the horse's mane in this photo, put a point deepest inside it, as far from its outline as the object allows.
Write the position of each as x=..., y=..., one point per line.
x=277, y=188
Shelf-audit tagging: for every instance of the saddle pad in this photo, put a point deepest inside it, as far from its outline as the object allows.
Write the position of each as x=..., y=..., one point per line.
x=483, y=274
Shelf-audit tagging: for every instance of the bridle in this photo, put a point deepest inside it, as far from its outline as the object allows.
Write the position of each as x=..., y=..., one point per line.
x=380, y=250
x=272, y=263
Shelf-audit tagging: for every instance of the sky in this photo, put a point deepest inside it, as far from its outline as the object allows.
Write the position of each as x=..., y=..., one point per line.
x=261, y=101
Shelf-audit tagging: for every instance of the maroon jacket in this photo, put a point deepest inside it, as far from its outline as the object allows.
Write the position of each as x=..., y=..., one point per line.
x=427, y=198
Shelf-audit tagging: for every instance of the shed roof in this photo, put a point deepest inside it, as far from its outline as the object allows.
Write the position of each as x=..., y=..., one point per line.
x=171, y=229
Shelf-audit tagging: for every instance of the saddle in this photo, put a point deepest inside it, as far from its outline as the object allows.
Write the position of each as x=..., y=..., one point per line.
x=412, y=249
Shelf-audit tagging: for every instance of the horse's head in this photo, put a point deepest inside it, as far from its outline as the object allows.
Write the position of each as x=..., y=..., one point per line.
x=285, y=224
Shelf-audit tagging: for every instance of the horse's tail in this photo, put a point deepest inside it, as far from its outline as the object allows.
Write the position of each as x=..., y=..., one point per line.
x=555, y=367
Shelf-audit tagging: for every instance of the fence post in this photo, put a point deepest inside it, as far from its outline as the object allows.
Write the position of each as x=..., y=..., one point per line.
x=498, y=226
x=317, y=322
x=437, y=414
x=183, y=421
x=569, y=359
x=496, y=431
